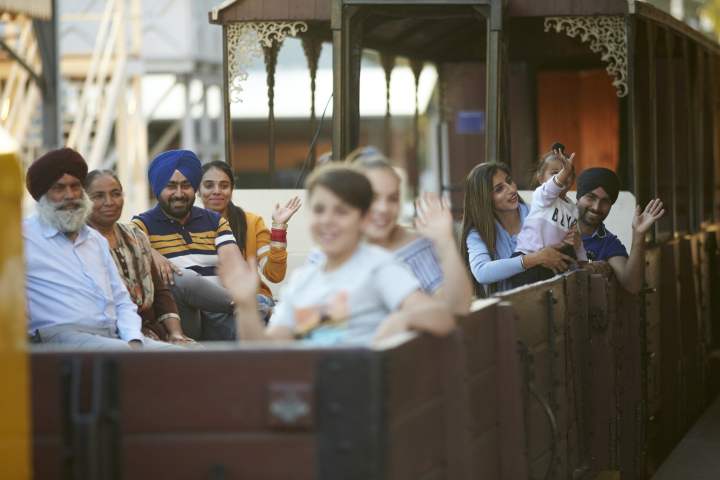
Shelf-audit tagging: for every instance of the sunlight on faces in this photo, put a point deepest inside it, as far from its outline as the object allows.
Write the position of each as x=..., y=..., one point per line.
x=65, y=206
x=385, y=209
x=594, y=207
x=336, y=226
x=106, y=196
x=177, y=198
x=504, y=192
x=216, y=190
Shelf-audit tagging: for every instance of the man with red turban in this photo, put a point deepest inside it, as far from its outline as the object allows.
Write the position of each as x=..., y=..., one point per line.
x=75, y=295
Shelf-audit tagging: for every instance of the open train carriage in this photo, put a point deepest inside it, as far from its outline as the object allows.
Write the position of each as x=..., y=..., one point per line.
x=622, y=83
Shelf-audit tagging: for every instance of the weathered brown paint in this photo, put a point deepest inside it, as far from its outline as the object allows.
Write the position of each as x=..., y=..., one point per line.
x=263, y=10
x=670, y=342
x=567, y=7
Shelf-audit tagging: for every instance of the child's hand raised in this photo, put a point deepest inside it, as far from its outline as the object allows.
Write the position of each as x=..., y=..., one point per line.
x=240, y=279
x=568, y=170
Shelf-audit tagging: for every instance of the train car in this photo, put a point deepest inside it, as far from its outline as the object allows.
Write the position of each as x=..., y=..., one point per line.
x=629, y=86
x=568, y=378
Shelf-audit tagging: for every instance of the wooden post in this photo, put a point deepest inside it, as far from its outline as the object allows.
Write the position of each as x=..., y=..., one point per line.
x=271, y=54
x=414, y=164
x=652, y=116
x=338, y=45
x=347, y=50
x=494, y=84
x=227, y=118
x=670, y=94
x=388, y=64
x=312, y=48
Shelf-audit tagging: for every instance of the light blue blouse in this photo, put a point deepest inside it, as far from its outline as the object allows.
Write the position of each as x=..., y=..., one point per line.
x=484, y=267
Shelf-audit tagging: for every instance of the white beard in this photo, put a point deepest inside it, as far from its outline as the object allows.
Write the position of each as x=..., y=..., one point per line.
x=65, y=221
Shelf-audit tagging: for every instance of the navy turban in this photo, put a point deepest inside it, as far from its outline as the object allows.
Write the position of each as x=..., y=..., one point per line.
x=164, y=165
x=593, y=178
x=49, y=168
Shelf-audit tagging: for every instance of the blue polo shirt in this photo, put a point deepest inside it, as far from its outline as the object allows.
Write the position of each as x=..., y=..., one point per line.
x=603, y=245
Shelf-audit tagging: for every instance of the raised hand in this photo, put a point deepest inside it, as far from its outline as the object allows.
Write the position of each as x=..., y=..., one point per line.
x=240, y=278
x=643, y=221
x=434, y=219
x=284, y=214
x=568, y=169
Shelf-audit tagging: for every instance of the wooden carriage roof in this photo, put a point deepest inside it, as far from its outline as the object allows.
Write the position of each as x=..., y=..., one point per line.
x=259, y=10
x=320, y=10
x=412, y=35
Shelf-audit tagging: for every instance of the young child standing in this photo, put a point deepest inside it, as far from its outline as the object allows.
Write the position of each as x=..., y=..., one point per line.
x=553, y=217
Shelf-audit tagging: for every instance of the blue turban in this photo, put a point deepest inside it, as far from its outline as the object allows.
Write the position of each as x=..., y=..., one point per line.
x=164, y=165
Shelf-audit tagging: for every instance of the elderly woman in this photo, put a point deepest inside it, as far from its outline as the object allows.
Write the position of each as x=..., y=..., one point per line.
x=494, y=215
x=130, y=249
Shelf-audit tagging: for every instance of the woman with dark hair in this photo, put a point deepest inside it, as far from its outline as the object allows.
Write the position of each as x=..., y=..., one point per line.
x=356, y=293
x=131, y=251
x=493, y=216
x=252, y=236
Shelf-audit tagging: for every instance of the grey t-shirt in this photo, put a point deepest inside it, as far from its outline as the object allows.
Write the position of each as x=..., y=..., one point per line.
x=355, y=298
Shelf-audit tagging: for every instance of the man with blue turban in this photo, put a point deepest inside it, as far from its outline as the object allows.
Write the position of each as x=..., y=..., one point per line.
x=188, y=243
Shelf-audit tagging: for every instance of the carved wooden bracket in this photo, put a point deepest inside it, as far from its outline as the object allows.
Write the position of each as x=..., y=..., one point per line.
x=607, y=35
x=245, y=42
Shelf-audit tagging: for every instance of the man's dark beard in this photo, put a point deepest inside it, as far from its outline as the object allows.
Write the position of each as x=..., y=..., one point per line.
x=175, y=213
x=583, y=217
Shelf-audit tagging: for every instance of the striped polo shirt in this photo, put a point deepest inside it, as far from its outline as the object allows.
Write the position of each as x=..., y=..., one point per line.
x=191, y=245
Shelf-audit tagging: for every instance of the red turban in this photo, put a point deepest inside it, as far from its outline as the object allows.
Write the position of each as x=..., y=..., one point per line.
x=49, y=168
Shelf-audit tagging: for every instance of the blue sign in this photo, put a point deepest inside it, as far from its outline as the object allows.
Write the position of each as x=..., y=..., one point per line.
x=470, y=122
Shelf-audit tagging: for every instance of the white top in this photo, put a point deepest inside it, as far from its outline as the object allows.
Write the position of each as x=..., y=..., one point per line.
x=75, y=281
x=355, y=298
x=549, y=220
